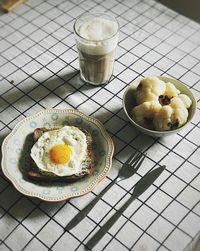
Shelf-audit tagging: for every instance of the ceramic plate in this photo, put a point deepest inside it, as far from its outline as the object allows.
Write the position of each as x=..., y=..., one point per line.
x=129, y=103
x=16, y=154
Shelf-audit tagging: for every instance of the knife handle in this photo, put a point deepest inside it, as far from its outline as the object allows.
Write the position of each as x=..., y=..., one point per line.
x=102, y=231
x=141, y=186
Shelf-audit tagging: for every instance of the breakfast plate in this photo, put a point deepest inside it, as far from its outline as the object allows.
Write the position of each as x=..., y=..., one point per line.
x=16, y=154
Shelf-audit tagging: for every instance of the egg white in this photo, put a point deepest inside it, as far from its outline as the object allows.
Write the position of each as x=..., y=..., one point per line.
x=71, y=136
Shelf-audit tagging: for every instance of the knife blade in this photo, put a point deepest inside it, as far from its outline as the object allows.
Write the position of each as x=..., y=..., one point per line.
x=141, y=186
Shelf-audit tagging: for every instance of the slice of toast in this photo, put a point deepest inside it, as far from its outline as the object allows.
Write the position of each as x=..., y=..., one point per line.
x=87, y=166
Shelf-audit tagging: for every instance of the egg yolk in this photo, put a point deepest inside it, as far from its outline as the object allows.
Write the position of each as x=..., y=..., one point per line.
x=60, y=154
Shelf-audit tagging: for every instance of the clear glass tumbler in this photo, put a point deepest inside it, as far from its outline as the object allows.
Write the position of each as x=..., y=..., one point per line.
x=96, y=39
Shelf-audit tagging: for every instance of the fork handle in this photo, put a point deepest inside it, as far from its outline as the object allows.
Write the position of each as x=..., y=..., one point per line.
x=141, y=186
x=83, y=213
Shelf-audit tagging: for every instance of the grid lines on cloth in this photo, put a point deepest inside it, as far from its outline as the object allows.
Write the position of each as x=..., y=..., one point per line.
x=39, y=69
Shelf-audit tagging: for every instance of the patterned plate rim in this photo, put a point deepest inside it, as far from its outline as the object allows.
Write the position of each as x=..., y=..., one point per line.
x=89, y=188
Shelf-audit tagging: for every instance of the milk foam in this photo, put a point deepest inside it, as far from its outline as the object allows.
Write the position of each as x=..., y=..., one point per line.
x=98, y=36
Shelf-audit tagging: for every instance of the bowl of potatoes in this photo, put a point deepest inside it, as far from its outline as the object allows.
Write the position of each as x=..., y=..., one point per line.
x=159, y=106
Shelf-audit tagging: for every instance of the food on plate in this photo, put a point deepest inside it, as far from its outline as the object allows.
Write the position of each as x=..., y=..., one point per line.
x=171, y=116
x=186, y=100
x=144, y=112
x=160, y=106
x=149, y=89
x=170, y=90
x=61, y=154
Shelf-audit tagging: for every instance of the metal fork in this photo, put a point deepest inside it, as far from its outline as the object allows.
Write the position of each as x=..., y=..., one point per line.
x=128, y=169
x=140, y=187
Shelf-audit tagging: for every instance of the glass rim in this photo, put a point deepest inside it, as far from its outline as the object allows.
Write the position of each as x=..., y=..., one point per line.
x=99, y=14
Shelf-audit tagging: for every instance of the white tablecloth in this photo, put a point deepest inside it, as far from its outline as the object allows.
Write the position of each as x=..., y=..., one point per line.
x=39, y=69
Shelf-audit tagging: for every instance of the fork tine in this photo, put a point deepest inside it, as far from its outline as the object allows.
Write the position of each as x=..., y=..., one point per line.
x=136, y=158
x=131, y=166
x=132, y=157
x=138, y=162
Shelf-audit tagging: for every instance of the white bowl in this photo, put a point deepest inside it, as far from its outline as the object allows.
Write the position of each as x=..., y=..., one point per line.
x=129, y=103
x=16, y=154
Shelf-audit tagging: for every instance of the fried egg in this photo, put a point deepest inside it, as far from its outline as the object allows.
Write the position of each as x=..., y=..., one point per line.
x=60, y=151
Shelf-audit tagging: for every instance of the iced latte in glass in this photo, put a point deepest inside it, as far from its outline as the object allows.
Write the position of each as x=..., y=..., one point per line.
x=96, y=39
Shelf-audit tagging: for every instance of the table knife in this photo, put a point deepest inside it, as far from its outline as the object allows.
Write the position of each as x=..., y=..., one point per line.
x=141, y=186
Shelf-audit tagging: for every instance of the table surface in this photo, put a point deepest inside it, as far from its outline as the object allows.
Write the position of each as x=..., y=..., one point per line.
x=39, y=69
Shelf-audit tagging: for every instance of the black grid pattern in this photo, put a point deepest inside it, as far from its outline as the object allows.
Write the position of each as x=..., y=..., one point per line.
x=39, y=69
